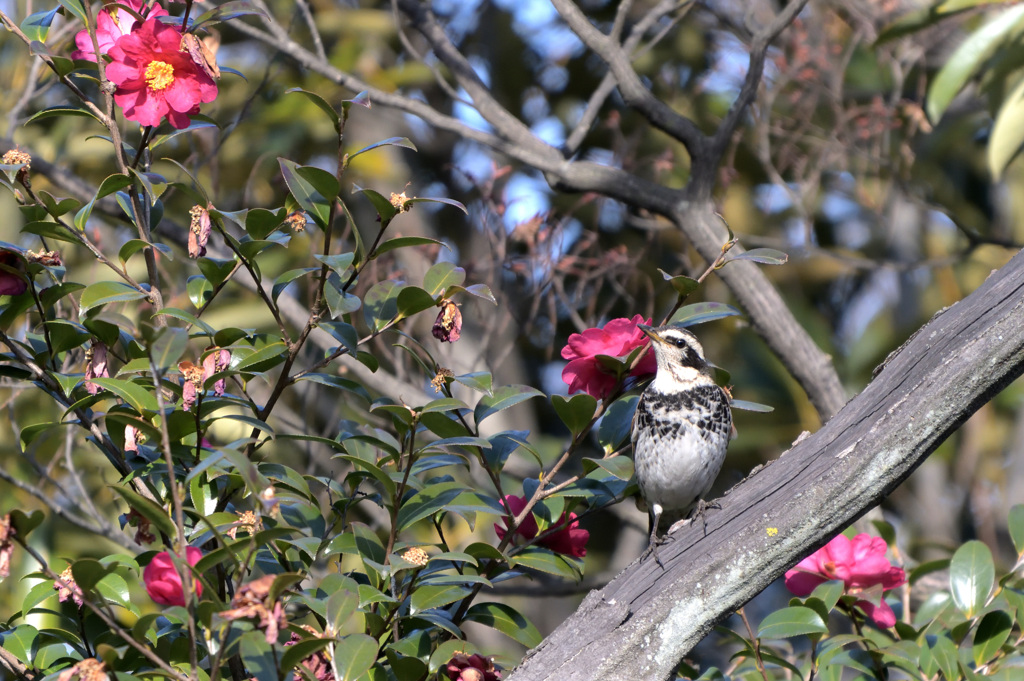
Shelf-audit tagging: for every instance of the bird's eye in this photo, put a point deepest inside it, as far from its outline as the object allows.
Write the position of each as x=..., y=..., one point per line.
x=680, y=342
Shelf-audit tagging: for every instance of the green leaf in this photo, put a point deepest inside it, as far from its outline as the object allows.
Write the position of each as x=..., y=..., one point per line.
x=480, y=381
x=37, y=26
x=426, y=502
x=404, y=242
x=684, y=286
x=699, y=313
x=23, y=523
x=65, y=335
x=62, y=110
x=542, y=559
x=441, y=276
x=110, y=185
x=200, y=290
x=971, y=576
x=322, y=104
x=168, y=347
x=342, y=604
x=353, y=656
x=261, y=223
x=339, y=302
x=482, y=291
x=1007, y=132
x=617, y=423
x=295, y=653
x=133, y=246
x=105, y=292
x=436, y=596
x=258, y=657
x=384, y=209
x=795, y=620
x=427, y=199
x=391, y=141
x=75, y=7
x=263, y=359
x=945, y=654
x=147, y=508
x=1016, y=526
x=380, y=305
x=968, y=59
x=764, y=256
x=828, y=593
x=134, y=394
x=226, y=11
x=990, y=636
x=507, y=620
x=337, y=263
x=216, y=270
x=314, y=189
x=576, y=412
x=188, y=318
x=21, y=640
x=503, y=398
x=751, y=406
x=413, y=299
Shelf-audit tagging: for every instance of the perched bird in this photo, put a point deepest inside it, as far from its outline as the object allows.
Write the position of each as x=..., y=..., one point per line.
x=681, y=430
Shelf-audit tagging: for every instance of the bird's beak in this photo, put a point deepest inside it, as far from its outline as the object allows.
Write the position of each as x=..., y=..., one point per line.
x=650, y=332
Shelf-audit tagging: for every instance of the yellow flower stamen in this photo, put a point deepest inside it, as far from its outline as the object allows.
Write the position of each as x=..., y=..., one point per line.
x=159, y=75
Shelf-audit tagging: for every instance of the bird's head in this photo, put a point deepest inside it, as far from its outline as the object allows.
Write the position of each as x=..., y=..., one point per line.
x=678, y=352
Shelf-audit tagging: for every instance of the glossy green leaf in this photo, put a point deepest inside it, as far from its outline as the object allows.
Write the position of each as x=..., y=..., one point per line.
x=148, y=509
x=385, y=211
x=200, y=290
x=23, y=523
x=683, y=285
x=426, y=502
x=764, y=256
x=544, y=560
x=617, y=423
x=968, y=59
x=258, y=657
x=441, y=276
x=391, y=141
x=134, y=394
x=314, y=189
x=992, y=632
x=353, y=656
x=795, y=620
x=751, y=406
x=482, y=291
x=380, y=304
x=75, y=7
x=1007, y=135
x=412, y=300
x=261, y=223
x=428, y=199
x=133, y=246
x=971, y=576
x=168, y=347
x=36, y=26
x=405, y=242
x=1016, y=527
x=263, y=359
x=699, y=313
x=436, y=596
x=65, y=335
x=342, y=604
x=481, y=381
x=576, y=412
x=321, y=103
x=188, y=318
x=507, y=620
x=216, y=270
x=226, y=11
x=503, y=398
x=944, y=652
x=106, y=292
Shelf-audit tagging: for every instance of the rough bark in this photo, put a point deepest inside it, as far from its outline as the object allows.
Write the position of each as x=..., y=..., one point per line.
x=643, y=622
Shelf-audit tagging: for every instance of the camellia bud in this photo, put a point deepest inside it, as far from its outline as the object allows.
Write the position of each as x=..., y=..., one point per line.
x=448, y=325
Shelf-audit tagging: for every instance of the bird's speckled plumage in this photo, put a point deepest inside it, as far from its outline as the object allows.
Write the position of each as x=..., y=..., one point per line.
x=681, y=429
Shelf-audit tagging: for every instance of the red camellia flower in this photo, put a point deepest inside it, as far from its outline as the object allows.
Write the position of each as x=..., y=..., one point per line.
x=111, y=24
x=570, y=540
x=860, y=563
x=618, y=338
x=162, y=581
x=463, y=667
x=155, y=78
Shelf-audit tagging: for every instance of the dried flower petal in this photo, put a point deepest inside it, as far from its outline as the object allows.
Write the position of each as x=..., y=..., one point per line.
x=198, y=231
x=6, y=545
x=448, y=325
x=96, y=367
x=67, y=588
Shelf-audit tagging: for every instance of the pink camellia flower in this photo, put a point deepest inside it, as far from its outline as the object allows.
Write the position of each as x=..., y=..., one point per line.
x=463, y=667
x=218, y=359
x=155, y=78
x=162, y=581
x=860, y=563
x=618, y=338
x=570, y=540
x=111, y=24
x=10, y=283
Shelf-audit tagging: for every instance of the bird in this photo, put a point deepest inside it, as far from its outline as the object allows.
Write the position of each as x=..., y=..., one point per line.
x=680, y=432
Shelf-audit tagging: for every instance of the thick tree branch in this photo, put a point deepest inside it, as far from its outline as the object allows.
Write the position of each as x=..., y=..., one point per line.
x=647, y=619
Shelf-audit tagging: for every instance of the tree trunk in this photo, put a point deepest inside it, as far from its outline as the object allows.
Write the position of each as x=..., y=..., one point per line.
x=642, y=623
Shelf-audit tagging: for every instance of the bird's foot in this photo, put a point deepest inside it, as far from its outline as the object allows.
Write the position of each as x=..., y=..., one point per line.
x=699, y=511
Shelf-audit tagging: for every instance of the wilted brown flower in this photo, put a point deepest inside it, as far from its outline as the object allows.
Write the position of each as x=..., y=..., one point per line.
x=67, y=588
x=198, y=231
x=141, y=524
x=318, y=664
x=448, y=325
x=400, y=201
x=441, y=378
x=6, y=545
x=251, y=602
x=89, y=669
x=15, y=156
x=96, y=366
x=45, y=258
x=416, y=556
x=296, y=220
x=247, y=521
